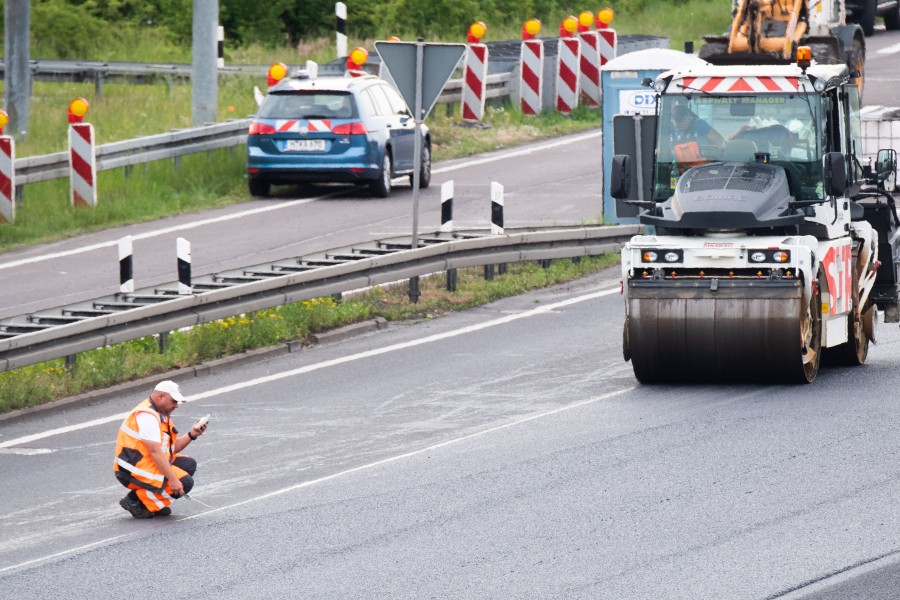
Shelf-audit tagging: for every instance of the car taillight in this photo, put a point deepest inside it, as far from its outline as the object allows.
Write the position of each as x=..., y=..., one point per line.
x=260, y=128
x=356, y=128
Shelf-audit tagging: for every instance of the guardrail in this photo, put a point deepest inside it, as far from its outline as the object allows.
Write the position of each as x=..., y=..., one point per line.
x=33, y=169
x=67, y=330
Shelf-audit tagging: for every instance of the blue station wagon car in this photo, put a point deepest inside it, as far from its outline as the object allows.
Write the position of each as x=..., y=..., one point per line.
x=334, y=129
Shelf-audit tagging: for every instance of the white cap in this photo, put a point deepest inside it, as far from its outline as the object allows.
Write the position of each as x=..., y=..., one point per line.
x=171, y=388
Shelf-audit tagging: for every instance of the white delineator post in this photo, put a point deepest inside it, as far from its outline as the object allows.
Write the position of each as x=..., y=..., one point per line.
x=340, y=10
x=567, y=59
x=447, y=206
x=220, y=46
x=496, y=208
x=589, y=72
x=474, y=82
x=7, y=179
x=531, y=78
x=126, y=265
x=183, y=250
x=82, y=165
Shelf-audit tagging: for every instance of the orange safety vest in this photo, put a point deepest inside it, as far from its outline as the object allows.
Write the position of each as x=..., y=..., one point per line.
x=133, y=463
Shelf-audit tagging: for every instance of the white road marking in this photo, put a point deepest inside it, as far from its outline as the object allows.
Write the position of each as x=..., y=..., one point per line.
x=412, y=453
x=892, y=49
x=322, y=365
x=350, y=471
x=155, y=233
x=263, y=209
x=520, y=152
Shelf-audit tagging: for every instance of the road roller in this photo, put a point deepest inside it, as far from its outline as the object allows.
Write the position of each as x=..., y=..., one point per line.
x=770, y=244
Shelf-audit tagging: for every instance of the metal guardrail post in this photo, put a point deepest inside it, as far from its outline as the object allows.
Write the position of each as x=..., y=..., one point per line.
x=451, y=280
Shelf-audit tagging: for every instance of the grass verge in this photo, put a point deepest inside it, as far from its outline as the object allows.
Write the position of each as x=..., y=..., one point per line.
x=101, y=368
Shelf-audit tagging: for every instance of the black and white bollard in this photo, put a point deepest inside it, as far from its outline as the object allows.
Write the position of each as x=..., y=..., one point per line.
x=340, y=10
x=447, y=225
x=497, y=217
x=183, y=250
x=126, y=265
x=496, y=208
x=447, y=207
x=220, y=46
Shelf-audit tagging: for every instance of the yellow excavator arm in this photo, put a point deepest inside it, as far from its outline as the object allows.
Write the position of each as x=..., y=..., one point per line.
x=768, y=26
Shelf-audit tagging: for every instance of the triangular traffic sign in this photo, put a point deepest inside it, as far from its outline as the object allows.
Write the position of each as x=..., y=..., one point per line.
x=438, y=63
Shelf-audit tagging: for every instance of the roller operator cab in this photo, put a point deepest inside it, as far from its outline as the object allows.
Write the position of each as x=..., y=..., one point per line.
x=769, y=244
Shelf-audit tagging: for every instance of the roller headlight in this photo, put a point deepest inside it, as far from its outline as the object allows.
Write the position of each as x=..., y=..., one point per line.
x=662, y=256
x=770, y=256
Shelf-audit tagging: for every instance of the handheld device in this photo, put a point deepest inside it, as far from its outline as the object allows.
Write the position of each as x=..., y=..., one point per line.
x=202, y=421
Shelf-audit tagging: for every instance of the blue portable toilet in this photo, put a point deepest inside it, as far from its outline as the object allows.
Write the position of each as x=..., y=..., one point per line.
x=623, y=94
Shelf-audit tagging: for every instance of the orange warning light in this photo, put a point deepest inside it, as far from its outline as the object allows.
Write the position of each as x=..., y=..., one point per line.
x=77, y=109
x=568, y=27
x=585, y=20
x=604, y=17
x=477, y=30
x=277, y=72
x=531, y=28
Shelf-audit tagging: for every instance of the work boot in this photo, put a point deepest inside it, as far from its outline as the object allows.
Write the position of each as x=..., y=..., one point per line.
x=137, y=510
x=163, y=512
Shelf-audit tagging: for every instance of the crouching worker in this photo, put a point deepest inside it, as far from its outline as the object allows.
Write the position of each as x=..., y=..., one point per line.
x=147, y=460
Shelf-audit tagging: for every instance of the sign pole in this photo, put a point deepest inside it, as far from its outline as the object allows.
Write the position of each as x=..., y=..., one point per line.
x=417, y=162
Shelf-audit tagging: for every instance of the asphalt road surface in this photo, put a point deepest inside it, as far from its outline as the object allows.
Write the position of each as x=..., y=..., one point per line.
x=504, y=452
x=554, y=182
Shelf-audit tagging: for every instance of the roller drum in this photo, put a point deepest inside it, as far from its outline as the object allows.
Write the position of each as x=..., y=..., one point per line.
x=721, y=331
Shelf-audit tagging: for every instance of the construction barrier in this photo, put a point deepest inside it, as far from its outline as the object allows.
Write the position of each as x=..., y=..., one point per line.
x=531, y=78
x=589, y=71
x=82, y=165
x=7, y=179
x=608, y=45
x=474, y=82
x=567, y=60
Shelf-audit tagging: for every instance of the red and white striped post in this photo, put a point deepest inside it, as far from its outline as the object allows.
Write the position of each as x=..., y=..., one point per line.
x=7, y=173
x=567, y=58
x=589, y=64
x=608, y=45
x=82, y=156
x=475, y=74
x=531, y=69
x=608, y=38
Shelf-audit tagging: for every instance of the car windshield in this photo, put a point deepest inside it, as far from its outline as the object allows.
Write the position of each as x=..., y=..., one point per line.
x=308, y=105
x=784, y=128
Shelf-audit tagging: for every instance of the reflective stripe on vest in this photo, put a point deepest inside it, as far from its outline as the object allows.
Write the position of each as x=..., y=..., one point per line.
x=132, y=462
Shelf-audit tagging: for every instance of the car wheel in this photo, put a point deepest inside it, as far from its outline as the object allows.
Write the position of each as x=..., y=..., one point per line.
x=259, y=187
x=867, y=19
x=892, y=18
x=381, y=187
x=424, y=169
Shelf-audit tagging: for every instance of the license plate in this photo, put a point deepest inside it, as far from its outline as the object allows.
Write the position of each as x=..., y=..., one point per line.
x=305, y=146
